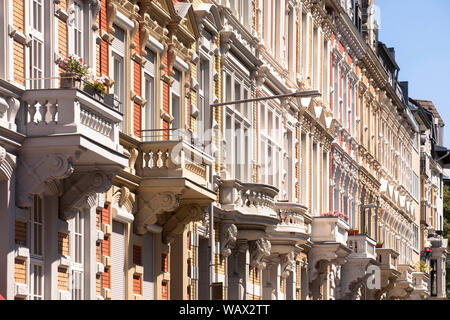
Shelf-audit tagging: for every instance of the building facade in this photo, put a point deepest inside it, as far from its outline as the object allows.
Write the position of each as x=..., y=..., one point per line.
x=155, y=188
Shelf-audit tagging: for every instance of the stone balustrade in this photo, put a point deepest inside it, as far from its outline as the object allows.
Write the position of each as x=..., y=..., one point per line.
x=387, y=258
x=329, y=229
x=248, y=198
x=293, y=218
x=362, y=246
x=174, y=159
x=56, y=112
x=421, y=281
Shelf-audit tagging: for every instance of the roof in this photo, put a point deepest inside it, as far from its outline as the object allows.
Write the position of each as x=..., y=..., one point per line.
x=429, y=106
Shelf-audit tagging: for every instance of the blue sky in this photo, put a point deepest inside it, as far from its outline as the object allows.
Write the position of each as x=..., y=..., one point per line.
x=420, y=32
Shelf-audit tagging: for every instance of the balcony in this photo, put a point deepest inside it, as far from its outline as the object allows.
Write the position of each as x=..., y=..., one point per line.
x=329, y=237
x=329, y=229
x=355, y=271
x=294, y=226
x=69, y=134
x=421, y=283
x=249, y=203
x=362, y=246
x=174, y=177
x=387, y=258
x=403, y=286
x=388, y=263
x=56, y=112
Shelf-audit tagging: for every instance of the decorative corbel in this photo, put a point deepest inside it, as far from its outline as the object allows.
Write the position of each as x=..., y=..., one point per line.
x=133, y=34
x=259, y=249
x=150, y=206
x=95, y=6
x=111, y=15
x=287, y=264
x=81, y=189
x=38, y=173
x=228, y=239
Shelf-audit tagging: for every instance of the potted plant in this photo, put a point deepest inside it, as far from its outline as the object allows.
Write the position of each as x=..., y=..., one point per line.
x=95, y=86
x=379, y=244
x=74, y=69
x=353, y=232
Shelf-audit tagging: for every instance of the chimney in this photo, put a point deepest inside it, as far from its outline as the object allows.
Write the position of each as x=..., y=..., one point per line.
x=404, y=85
x=392, y=52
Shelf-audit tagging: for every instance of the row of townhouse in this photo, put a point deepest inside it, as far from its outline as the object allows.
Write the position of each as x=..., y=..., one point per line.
x=155, y=190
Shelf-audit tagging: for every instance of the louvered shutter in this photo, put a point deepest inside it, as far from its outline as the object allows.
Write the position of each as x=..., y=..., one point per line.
x=118, y=261
x=148, y=281
x=119, y=39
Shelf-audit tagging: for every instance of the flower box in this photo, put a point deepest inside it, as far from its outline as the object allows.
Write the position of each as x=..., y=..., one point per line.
x=70, y=80
x=353, y=232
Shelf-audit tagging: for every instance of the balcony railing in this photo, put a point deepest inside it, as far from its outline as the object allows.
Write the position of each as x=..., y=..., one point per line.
x=362, y=246
x=421, y=281
x=387, y=258
x=172, y=155
x=248, y=198
x=329, y=229
x=293, y=218
x=70, y=111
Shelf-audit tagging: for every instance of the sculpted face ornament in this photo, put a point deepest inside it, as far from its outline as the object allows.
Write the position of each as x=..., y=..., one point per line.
x=287, y=264
x=259, y=250
x=229, y=237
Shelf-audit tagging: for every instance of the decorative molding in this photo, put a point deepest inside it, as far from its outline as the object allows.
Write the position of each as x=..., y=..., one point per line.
x=228, y=239
x=259, y=249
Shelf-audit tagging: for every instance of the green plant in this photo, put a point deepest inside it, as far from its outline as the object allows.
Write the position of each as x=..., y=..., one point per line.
x=422, y=266
x=97, y=85
x=74, y=64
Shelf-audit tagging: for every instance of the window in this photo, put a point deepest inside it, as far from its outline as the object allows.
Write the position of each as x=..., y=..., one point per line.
x=78, y=257
x=78, y=29
x=238, y=131
x=118, y=67
x=37, y=281
x=416, y=237
x=203, y=100
x=149, y=89
x=176, y=100
x=37, y=251
x=118, y=77
x=37, y=44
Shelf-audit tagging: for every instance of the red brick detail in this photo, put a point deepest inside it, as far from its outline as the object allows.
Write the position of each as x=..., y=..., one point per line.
x=106, y=278
x=166, y=91
x=106, y=216
x=103, y=22
x=137, y=287
x=164, y=291
x=137, y=114
x=106, y=247
x=164, y=262
x=104, y=57
x=349, y=59
x=341, y=48
x=136, y=41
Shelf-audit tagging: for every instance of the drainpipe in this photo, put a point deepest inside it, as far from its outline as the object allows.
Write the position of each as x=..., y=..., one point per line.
x=211, y=213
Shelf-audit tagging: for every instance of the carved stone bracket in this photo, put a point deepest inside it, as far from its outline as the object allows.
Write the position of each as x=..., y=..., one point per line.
x=152, y=205
x=228, y=239
x=259, y=249
x=81, y=188
x=40, y=173
x=8, y=111
x=7, y=164
x=179, y=219
x=287, y=264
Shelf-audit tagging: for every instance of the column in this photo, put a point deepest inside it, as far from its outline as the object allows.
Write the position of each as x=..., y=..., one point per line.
x=7, y=243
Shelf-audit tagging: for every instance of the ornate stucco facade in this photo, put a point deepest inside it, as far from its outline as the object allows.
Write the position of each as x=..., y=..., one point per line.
x=148, y=192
